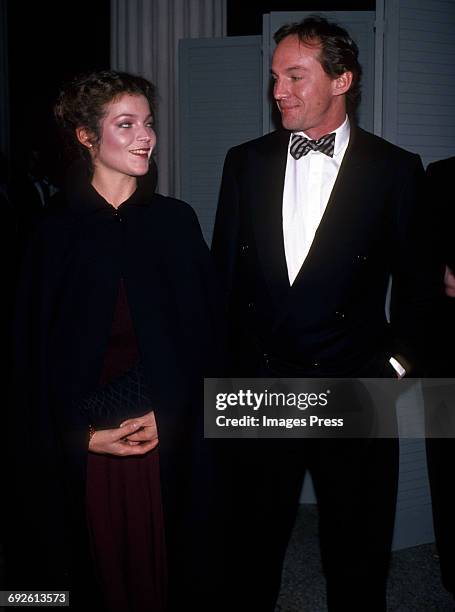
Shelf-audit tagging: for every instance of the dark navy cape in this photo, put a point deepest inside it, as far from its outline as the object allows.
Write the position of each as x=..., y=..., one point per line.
x=66, y=295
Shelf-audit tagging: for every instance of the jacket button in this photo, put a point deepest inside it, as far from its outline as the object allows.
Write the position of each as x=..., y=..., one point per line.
x=244, y=248
x=339, y=314
x=118, y=216
x=315, y=364
x=251, y=305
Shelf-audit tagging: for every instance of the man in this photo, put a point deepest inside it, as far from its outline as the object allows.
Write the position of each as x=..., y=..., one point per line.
x=312, y=221
x=441, y=451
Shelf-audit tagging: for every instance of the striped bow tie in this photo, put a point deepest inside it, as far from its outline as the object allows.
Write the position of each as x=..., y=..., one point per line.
x=300, y=145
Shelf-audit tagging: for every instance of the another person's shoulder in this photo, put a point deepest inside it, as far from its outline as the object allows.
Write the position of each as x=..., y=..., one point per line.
x=442, y=167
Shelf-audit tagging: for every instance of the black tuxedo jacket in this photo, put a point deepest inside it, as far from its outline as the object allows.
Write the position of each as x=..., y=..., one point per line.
x=331, y=321
x=440, y=195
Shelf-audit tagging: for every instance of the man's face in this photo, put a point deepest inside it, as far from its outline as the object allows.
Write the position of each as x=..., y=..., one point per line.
x=306, y=96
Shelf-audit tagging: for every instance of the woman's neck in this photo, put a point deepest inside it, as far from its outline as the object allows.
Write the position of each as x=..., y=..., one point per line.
x=114, y=189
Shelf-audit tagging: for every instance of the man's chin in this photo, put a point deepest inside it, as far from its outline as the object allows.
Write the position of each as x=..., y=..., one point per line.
x=290, y=125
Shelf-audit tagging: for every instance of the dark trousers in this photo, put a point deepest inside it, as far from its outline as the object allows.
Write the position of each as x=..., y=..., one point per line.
x=440, y=443
x=356, y=486
x=441, y=466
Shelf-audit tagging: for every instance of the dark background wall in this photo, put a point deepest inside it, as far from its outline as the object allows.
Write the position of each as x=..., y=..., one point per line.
x=48, y=43
x=244, y=17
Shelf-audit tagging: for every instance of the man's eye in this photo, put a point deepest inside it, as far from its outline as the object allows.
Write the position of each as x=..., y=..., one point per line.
x=296, y=78
x=150, y=125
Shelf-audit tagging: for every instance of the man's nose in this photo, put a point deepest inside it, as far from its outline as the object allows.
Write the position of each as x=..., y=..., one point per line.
x=279, y=89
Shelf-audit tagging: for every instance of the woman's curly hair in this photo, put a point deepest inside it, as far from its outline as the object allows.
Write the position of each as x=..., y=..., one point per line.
x=82, y=103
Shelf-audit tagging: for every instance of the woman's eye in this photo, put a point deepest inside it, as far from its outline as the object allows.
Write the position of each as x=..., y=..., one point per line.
x=125, y=124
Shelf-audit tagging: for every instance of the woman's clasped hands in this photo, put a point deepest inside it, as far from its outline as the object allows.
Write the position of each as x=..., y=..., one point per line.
x=133, y=437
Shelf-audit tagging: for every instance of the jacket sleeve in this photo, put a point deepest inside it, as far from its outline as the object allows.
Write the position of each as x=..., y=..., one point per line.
x=417, y=273
x=226, y=231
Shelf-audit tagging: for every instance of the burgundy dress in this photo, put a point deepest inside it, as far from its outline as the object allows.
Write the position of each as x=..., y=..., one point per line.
x=124, y=506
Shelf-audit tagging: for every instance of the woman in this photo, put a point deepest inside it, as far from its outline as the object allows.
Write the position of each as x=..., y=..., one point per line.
x=116, y=327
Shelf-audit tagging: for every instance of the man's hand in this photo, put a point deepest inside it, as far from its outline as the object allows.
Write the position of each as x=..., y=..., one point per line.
x=133, y=437
x=449, y=281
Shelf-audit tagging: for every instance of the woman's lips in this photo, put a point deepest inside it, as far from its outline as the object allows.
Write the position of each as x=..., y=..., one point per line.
x=140, y=152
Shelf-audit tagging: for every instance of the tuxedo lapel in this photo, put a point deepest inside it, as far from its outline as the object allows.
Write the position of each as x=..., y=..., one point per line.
x=266, y=211
x=343, y=201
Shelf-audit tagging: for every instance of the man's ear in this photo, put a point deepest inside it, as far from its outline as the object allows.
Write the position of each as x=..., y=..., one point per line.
x=84, y=137
x=342, y=83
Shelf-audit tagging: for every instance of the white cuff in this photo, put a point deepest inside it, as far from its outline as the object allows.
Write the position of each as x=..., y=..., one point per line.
x=397, y=367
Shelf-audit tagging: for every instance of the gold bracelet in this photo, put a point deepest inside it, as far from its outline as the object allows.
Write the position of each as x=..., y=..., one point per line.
x=91, y=432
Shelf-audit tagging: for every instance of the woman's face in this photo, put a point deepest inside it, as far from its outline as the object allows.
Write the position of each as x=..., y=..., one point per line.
x=127, y=137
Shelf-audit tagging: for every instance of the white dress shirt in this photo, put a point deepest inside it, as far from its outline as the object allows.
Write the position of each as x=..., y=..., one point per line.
x=308, y=184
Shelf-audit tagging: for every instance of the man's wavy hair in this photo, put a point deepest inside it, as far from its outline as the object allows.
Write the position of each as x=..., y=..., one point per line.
x=83, y=103
x=339, y=53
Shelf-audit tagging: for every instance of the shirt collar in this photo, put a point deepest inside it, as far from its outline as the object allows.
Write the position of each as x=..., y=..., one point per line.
x=342, y=134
